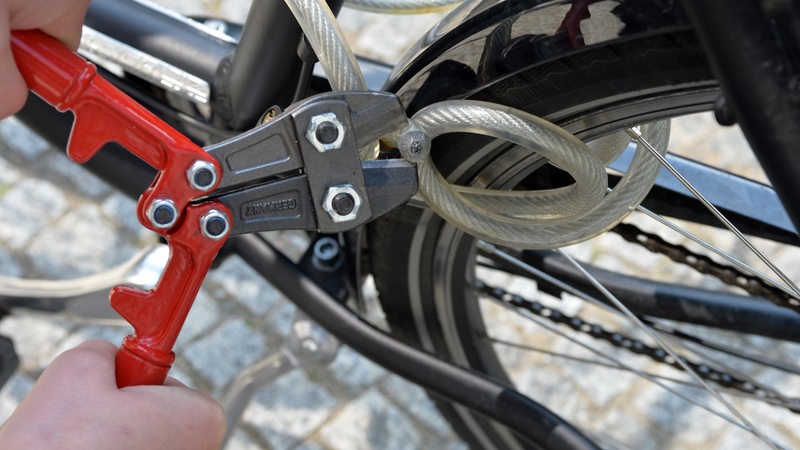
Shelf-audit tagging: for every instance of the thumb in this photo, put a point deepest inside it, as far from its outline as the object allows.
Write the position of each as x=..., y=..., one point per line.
x=14, y=88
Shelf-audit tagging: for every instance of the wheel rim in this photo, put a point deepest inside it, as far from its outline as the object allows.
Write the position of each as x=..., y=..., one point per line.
x=454, y=264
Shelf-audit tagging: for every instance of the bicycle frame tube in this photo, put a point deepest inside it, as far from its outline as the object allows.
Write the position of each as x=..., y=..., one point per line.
x=760, y=85
x=165, y=37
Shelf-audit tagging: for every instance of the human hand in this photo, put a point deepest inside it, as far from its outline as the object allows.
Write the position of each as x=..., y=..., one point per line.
x=61, y=19
x=76, y=405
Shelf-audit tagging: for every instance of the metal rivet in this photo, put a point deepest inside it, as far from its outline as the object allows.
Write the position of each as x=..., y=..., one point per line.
x=325, y=132
x=162, y=213
x=214, y=224
x=202, y=175
x=342, y=203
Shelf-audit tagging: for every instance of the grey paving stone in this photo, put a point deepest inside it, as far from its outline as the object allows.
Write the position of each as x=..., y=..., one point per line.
x=27, y=208
x=308, y=446
x=244, y=285
x=121, y=210
x=355, y=371
x=223, y=353
x=12, y=393
x=58, y=166
x=82, y=242
x=35, y=338
x=292, y=243
x=371, y=422
x=448, y=445
x=8, y=175
x=367, y=32
x=22, y=140
x=416, y=401
x=112, y=334
x=179, y=374
x=8, y=264
x=279, y=321
x=289, y=410
x=241, y=441
x=204, y=314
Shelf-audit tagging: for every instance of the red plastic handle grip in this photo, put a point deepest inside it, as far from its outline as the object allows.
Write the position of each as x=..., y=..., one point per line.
x=103, y=114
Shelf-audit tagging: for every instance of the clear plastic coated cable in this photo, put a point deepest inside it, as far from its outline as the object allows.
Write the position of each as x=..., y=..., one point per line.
x=326, y=38
x=530, y=219
x=335, y=56
x=402, y=6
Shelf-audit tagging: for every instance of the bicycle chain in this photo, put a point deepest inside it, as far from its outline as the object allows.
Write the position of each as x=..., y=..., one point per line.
x=707, y=266
x=657, y=354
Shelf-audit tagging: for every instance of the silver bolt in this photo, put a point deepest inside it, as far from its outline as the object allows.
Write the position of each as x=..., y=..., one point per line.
x=214, y=224
x=325, y=132
x=202, y=175
x=342, y=203
x=162, y=213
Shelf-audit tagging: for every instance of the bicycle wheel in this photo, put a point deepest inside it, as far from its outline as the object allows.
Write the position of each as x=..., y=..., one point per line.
x=435, y=280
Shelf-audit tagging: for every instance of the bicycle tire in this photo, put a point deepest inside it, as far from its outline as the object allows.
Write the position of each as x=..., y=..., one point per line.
x=423, y=267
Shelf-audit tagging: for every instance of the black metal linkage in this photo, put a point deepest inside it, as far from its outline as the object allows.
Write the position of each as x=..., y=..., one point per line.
x=471, y=389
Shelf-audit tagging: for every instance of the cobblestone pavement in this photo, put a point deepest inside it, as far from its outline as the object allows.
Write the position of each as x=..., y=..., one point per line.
x=59, y=221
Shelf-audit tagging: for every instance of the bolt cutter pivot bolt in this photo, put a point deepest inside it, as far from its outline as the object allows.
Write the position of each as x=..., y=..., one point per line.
x=214, y=224
x=162, y=213
x=342, y=203
x=325, y=132
x=202, y=176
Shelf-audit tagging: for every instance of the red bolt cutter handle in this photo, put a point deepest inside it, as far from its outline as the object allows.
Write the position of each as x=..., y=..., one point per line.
x=103, y=114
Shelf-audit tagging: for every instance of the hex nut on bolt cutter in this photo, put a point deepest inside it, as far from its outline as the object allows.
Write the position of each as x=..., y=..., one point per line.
x=342, y=203
x=325, y=132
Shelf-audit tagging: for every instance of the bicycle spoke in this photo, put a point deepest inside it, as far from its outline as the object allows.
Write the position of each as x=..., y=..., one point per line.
x=667, y=348
x=536, y=274
x=703, y=354
x=711, y=247
x=553, y=329
x=637, y=135
x=579, y=359
x=539, y=274
x=759, y=359
x=598, y=363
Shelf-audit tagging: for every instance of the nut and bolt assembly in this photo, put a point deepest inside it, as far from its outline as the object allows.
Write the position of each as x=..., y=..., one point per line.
x=325, y=132
x=342, y=203
x=202, y=175
x=162, y=213
x=214, y=224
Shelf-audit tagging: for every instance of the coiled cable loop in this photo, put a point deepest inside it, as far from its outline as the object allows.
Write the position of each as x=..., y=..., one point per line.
x=531, y=219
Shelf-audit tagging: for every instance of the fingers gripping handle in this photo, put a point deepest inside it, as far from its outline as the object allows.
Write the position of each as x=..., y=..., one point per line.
x=104, y=114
